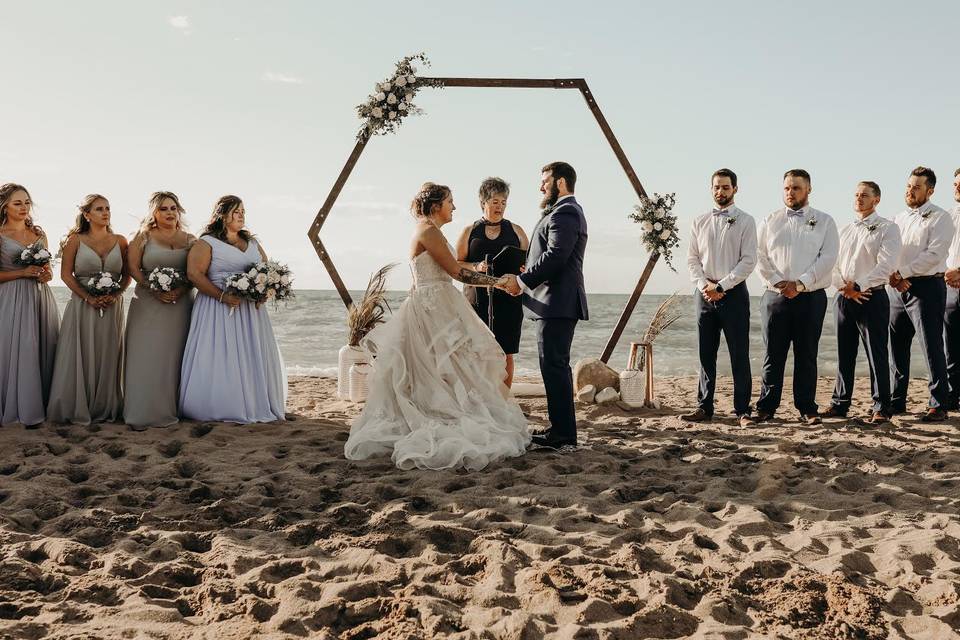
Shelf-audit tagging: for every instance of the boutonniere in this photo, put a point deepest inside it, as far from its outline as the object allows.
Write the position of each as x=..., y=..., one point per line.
x=926, y=214
x=730, y=221
x=873, y=227
x=812, y=222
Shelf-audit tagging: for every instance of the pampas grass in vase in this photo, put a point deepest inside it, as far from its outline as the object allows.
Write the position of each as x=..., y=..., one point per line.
x=362, y=317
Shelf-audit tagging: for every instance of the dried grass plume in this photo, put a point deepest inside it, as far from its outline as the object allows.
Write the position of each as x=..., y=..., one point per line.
x=363, y=316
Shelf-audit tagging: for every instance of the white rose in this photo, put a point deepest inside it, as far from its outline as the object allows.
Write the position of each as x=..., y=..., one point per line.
x=284, y=280
x=164, y=279
x=665, y=235
x=657, y=226
x=393, y=115
x=391, y=99
x=44, y=253
x=273, y=277
x=658, y=213
x=243, y=284
x=386, y=86
x=91, y=282
x=37, y=255
x=402, y=106
x=260, y=287
x=411, y=78
x=646, y=226
x=376, y=112
x=401, y=82
x=261, y=278
x=381, y=96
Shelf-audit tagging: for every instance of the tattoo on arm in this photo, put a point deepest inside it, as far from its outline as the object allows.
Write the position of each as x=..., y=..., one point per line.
x=468, y=276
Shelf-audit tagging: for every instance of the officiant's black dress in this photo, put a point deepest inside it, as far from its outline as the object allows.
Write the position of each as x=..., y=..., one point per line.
x=507, y=310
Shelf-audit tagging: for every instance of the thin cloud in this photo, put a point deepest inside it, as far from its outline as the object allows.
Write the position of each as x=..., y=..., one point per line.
x=180, y=23
x=283, y=78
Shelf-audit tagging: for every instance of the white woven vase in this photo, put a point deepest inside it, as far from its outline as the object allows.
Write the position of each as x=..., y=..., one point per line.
x=346, y=357
x=360, y=381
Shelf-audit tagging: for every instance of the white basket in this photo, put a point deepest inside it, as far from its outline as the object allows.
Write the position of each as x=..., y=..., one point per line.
x=346, y=357
x=360, y=381
x=633, y=386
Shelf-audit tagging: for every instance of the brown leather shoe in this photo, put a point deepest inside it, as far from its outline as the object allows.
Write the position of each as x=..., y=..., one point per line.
x=878, y=418
x=833, y=412
x=746, y=420
x=934, y=415
x=811, y=419
x=697, y=416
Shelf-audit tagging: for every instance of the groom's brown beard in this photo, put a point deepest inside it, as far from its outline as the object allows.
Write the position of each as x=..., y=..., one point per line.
x=550, y=198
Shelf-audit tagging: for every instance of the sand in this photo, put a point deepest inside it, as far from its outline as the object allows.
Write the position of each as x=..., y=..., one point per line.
x=653, y=529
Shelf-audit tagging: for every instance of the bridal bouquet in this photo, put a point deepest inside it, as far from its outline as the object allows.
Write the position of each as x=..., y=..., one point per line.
x=658, y=225
x=262, y=282
x=166, y=279
x=101, y=284
x=392, y=99
x=36, y=255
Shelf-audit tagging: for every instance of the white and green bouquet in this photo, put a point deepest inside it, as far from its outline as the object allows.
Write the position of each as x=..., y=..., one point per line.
x=392, y=99
x=35, y=255
x=658, y=225
x=166, y=279
x=101, y=284
x=262, y=282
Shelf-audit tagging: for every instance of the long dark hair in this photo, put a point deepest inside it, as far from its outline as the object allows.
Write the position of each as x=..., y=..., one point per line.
x=217, y=226
x=6, y=194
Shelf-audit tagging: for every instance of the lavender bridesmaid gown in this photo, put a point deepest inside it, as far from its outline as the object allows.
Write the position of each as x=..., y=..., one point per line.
x=232, y=370
x=29, y=324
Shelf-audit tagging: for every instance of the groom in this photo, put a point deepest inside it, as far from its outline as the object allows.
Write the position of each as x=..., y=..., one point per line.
x=554, y=297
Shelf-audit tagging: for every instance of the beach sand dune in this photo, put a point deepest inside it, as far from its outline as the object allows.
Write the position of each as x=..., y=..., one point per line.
x=653, y=529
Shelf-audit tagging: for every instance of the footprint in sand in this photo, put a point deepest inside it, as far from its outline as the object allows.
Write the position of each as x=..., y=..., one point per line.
x=201, y=429
x=170, y=449
x=115, y=450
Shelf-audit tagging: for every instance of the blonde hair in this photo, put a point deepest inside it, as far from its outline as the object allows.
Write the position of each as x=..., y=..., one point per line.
x=6, y=195
x=81, y=225
x=149, y=221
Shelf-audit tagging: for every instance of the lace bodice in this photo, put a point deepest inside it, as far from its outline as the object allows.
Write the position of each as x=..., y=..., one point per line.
x=426, y=271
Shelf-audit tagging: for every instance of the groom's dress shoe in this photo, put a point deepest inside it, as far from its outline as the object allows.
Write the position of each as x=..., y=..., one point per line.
x=551, y=443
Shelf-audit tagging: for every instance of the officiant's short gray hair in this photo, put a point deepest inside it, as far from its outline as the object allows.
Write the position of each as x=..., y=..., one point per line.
x=494, y=187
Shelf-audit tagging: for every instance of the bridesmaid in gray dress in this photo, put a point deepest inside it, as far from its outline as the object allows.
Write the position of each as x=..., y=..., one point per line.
x=86, y=377
x=157, y=323
x=232, y=370
x=29, y=320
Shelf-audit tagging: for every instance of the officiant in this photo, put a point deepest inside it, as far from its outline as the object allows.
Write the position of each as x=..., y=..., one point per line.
x=496, y=246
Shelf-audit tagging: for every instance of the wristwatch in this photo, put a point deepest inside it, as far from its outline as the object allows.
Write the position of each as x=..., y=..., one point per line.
x=719, y=288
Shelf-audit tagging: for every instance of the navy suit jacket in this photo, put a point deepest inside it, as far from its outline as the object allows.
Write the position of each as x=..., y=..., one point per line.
x=554, y=270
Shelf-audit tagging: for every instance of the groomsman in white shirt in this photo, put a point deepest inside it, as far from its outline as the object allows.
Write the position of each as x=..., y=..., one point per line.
x=722, y=254
x=919, y=296
x=869, y=249
x=951, y=318
x=796, y=250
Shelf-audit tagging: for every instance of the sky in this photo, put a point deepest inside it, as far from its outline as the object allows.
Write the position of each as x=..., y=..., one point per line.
x=258, y=99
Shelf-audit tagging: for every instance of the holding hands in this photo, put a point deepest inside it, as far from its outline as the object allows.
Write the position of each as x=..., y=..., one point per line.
x=711, y=294
x=788, y=289
x=510, y=284
x=850, y=292
x=898, y=282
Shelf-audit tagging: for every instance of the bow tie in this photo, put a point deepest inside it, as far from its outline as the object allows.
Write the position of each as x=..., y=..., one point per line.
x=791, y=212
x=914, y=211
x=721, y=212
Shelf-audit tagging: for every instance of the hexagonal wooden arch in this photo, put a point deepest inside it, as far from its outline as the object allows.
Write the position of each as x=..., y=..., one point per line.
x=514, y=83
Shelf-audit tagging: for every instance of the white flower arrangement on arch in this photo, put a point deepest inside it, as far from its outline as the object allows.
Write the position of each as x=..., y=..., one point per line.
x=392, y=99
x=658, y=225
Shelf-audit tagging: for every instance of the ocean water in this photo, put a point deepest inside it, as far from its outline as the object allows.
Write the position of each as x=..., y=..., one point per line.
x=312, y=328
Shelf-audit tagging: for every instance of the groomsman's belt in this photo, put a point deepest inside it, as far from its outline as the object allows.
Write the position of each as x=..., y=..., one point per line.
x=879, y=287
x=936, y=276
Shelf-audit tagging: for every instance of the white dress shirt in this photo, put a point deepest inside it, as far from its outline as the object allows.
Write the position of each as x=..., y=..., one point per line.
x=926, y=233
x=869, y=250
x=800, y=247
x=953, y=255
x=723, y=248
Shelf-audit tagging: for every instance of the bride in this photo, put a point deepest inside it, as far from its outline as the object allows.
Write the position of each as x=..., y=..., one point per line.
x=437, y=397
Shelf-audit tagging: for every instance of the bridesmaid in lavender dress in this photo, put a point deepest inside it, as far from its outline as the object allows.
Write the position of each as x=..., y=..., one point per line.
x=29, y=320
x=158, y=322
x=232, y=370
x=86, y=376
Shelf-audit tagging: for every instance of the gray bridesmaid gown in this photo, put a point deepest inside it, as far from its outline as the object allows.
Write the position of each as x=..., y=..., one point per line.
x=156, y=334
x=86, y=377
x=29, y=323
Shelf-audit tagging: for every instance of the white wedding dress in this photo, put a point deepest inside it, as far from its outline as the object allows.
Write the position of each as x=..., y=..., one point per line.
x=437, y=398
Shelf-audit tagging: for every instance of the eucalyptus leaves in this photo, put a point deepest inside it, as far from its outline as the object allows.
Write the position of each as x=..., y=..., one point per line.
x=392, y=99
x=658, y=225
